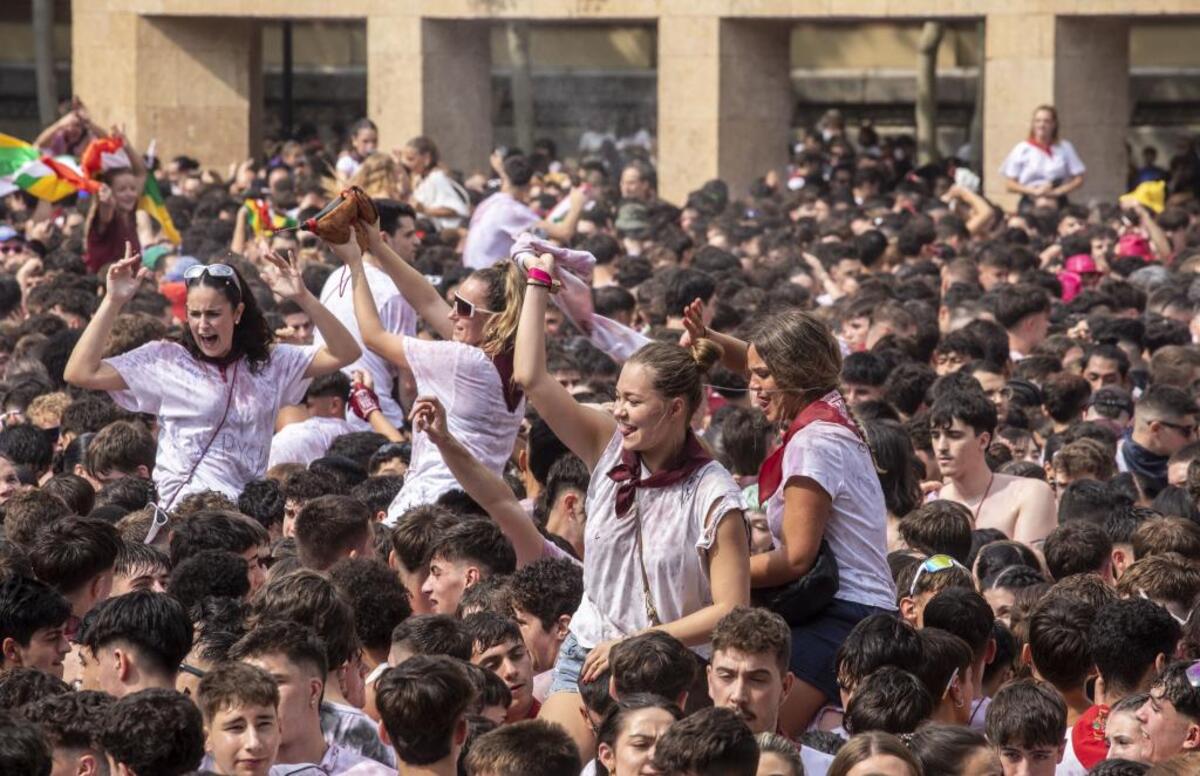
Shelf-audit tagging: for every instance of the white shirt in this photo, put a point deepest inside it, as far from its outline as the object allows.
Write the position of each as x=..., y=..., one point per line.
x=494, y=227
x=438, y=190
x=346, y=166
x=306, y=441
x=816, y=762
x=676, y=537
x=836, y=459
x=350, y=728
x=1029, y=165
x=190, y=398
x=397, y=317
x=468, y=385
x=1070, y=765
x=338, y=761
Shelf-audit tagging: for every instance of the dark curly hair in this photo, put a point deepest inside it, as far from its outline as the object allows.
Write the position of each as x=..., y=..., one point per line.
x=252, y=335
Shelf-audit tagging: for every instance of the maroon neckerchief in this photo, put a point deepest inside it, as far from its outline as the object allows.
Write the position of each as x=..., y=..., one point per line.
x=830, y=408
x=627, y=473
x=504, y=367
x=1047, y=149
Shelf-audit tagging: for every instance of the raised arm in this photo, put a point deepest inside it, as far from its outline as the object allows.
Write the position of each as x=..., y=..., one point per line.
x=487, y=489
x=584, y=430
x=85, y=368
x=365, y=404
x=417, y=291
x=340, y=349
x=370, y=326
x=734, y=356
x=563, y=231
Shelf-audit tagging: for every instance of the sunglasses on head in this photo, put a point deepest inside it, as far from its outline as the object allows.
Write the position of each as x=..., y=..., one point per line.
x=467, y=309
x=932, y=565
x=196, y=271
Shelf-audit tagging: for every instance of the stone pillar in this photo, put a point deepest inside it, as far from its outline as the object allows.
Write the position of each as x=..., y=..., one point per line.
x=192, y=84
x=724, y=102
x=432, y=77
x=1078, y=64
x=1092, y=93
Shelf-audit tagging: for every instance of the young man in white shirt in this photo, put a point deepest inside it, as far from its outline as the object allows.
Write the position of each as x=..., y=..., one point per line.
x=500, y=218
x=306, y=441
x=295, y=659
x=962, y=425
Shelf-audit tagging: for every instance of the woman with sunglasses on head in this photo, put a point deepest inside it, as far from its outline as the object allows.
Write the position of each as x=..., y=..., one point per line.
x=819, y=486
x=217, y=390
x=469, y=370
x=667, y=546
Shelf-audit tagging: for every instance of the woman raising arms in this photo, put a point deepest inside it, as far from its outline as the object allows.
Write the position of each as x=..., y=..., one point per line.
x=216, y=392
x=666, y=541
x=469, y=371
x=821, y=484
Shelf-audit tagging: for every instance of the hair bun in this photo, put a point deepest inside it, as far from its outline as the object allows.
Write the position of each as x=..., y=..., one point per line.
x=706, y=353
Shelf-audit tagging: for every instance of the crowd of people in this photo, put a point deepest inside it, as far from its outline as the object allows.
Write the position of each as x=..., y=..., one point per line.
x=384, y=467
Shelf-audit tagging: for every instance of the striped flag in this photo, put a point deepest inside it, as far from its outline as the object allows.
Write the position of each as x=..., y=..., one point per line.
x=152, y=203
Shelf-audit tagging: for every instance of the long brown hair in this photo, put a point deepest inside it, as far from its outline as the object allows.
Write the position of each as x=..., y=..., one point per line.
x=802, y=354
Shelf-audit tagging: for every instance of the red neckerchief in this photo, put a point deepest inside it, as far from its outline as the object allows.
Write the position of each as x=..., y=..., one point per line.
x=830, y=408
x=627, y=473
x=504, y=366
x=1048, y=150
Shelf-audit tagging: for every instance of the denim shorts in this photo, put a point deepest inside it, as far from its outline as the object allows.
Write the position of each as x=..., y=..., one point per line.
x=568, y=667
x=815, y=643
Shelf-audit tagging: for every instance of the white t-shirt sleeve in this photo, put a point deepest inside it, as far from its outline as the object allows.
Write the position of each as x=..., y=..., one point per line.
x=288, y=363
x=723, y=497
x=346, y=166
x=1014, y=163
x=1075, y=165
x=816, y=456
x=142, y=370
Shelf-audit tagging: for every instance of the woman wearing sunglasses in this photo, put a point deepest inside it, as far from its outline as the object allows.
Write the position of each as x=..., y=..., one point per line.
x=217, y=389
x=819, y=485
x=469, y=370
x=666, y=538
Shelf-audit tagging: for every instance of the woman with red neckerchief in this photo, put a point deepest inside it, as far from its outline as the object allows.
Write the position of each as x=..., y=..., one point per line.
x=1043, y=166
x=821, y=489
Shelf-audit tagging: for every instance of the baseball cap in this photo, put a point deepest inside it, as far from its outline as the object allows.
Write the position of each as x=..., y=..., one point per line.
x=1134, y=245
x=8, y=233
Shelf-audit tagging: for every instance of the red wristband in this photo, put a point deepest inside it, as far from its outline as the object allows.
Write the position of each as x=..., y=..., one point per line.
x=363, y=401
x=541, y=276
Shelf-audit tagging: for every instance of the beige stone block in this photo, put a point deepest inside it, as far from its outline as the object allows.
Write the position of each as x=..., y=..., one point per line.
x=688, y=36
x=1009, y=36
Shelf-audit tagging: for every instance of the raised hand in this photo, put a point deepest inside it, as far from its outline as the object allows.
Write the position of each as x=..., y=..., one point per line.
x=693, y=324
x=125, y=276
x=283, y=276
x=348, y=252
x=429, y=416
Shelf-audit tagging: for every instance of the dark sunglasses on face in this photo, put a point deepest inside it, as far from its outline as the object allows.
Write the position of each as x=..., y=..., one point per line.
x=467, y=309
x=1187, y=431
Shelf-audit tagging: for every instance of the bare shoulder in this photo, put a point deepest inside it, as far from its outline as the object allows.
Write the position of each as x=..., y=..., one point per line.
x=1023, y=487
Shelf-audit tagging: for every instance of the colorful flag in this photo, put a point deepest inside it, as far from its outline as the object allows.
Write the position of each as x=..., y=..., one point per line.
x=152, y=203
x=263, y=219
x=23, y=167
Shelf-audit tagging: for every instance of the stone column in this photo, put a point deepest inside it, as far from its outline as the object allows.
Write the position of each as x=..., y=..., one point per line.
x=724, y=102
x=432, y=77
x=1078, y=64
x=192, y=84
